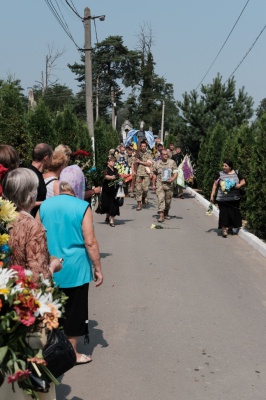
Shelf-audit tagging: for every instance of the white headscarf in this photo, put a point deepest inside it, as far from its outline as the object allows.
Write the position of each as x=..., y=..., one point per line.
x=74, y=176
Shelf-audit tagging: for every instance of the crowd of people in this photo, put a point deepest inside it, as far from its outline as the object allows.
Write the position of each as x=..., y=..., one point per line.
x=51, y=196
x=159, y=169
x=155, y=168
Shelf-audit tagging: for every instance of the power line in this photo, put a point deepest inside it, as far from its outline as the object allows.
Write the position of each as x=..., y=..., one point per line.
x=223, y=45
x=249, y=50
x=73, y=8
x=61, y=20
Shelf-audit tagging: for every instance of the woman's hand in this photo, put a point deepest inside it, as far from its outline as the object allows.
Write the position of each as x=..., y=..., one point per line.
x=98, y=278
x=55, y=265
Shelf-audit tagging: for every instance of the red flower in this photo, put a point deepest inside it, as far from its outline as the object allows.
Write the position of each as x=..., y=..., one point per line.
x=83, y=153
x=18, y=376
x=20, y=270
x=26, y=317
x=3, y=171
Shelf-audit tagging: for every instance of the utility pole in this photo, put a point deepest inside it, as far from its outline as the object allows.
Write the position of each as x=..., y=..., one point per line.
x=88, y=76
x=97, y=98
x=113, y=107
x=162, y=123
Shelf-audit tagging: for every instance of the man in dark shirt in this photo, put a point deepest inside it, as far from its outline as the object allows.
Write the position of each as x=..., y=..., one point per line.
x=41, y=159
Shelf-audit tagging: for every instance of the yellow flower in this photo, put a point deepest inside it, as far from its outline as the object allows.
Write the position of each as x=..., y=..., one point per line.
x=7, y=211
x=4, y=291
x=3, y=239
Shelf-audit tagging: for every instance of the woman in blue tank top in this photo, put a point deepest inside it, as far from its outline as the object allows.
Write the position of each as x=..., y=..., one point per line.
x=67, y=219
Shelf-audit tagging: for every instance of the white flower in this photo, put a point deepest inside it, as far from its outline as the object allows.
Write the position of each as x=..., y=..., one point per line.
x=45, y=300
x=5, y=276
x=46, y=282
x=17, y=289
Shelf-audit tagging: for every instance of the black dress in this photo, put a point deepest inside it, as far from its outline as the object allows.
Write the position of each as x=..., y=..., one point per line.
x=109, y=202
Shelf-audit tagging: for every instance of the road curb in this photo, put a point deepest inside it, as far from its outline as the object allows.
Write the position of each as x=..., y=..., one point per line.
x=251, y=239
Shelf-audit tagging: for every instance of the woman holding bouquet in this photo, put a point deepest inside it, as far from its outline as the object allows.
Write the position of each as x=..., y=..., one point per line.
x=228, y=182
x=109, y=190
x=28, y=243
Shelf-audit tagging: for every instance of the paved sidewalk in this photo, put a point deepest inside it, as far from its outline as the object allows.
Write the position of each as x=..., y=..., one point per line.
x=253, y=240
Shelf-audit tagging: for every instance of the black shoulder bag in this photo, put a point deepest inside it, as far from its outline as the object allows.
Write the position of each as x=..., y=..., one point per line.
x=59, y=353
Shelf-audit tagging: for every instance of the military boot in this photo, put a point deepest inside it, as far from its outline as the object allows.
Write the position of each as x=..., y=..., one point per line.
x=139, y=206
x=161, y=217
x=166, y=216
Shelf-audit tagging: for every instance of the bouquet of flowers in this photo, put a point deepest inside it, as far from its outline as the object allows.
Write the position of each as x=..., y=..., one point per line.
x=187, y=170
x=84, y=160
x=123, y=171
x=26, y=307
x=227, y=185
x=210, y=209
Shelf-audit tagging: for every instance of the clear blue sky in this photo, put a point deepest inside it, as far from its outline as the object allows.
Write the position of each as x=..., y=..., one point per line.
x=188, y=34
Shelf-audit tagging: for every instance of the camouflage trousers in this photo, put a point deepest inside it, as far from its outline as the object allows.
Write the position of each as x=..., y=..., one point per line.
x=142, y=187
x=164, y=195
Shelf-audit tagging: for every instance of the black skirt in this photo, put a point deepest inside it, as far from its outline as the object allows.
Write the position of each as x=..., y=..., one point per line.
x=229, y=214
x=76, y=315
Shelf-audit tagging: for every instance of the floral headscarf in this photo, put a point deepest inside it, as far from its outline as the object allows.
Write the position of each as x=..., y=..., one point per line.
x=74, y=176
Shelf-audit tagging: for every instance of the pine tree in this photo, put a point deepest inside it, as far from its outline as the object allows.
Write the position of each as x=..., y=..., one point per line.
x=256, y=194
x=41, y=125
x=212, y=163
x=13, y=122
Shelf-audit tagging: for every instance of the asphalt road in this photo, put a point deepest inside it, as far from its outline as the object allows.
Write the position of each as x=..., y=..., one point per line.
x=181, y=314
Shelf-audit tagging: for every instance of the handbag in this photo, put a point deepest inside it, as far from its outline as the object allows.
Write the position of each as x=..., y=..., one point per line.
x=119, y=201
x=59, y=353
x=98, y=208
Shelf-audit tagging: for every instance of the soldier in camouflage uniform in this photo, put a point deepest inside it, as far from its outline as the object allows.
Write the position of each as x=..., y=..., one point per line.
x=144, y=162
x=165, y=173
x=130, y=162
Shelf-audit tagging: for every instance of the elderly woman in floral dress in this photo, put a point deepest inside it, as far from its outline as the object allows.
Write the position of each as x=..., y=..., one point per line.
x=28, y=243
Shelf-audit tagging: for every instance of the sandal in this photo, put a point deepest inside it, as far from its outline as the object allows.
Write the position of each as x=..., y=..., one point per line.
x=84, y=359
x=112, y=224
x=224, y=232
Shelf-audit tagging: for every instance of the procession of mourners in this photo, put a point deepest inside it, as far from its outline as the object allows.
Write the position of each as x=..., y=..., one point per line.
x=50, y=237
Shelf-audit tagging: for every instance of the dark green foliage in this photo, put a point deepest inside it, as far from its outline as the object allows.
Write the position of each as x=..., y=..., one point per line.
x=170, y=139
x=261, y=109
x=13, y=124
x=256, y=195
x=212, y=157
x=218, y=103
x=41, y=125
x=55, y=97
x=72, y=131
